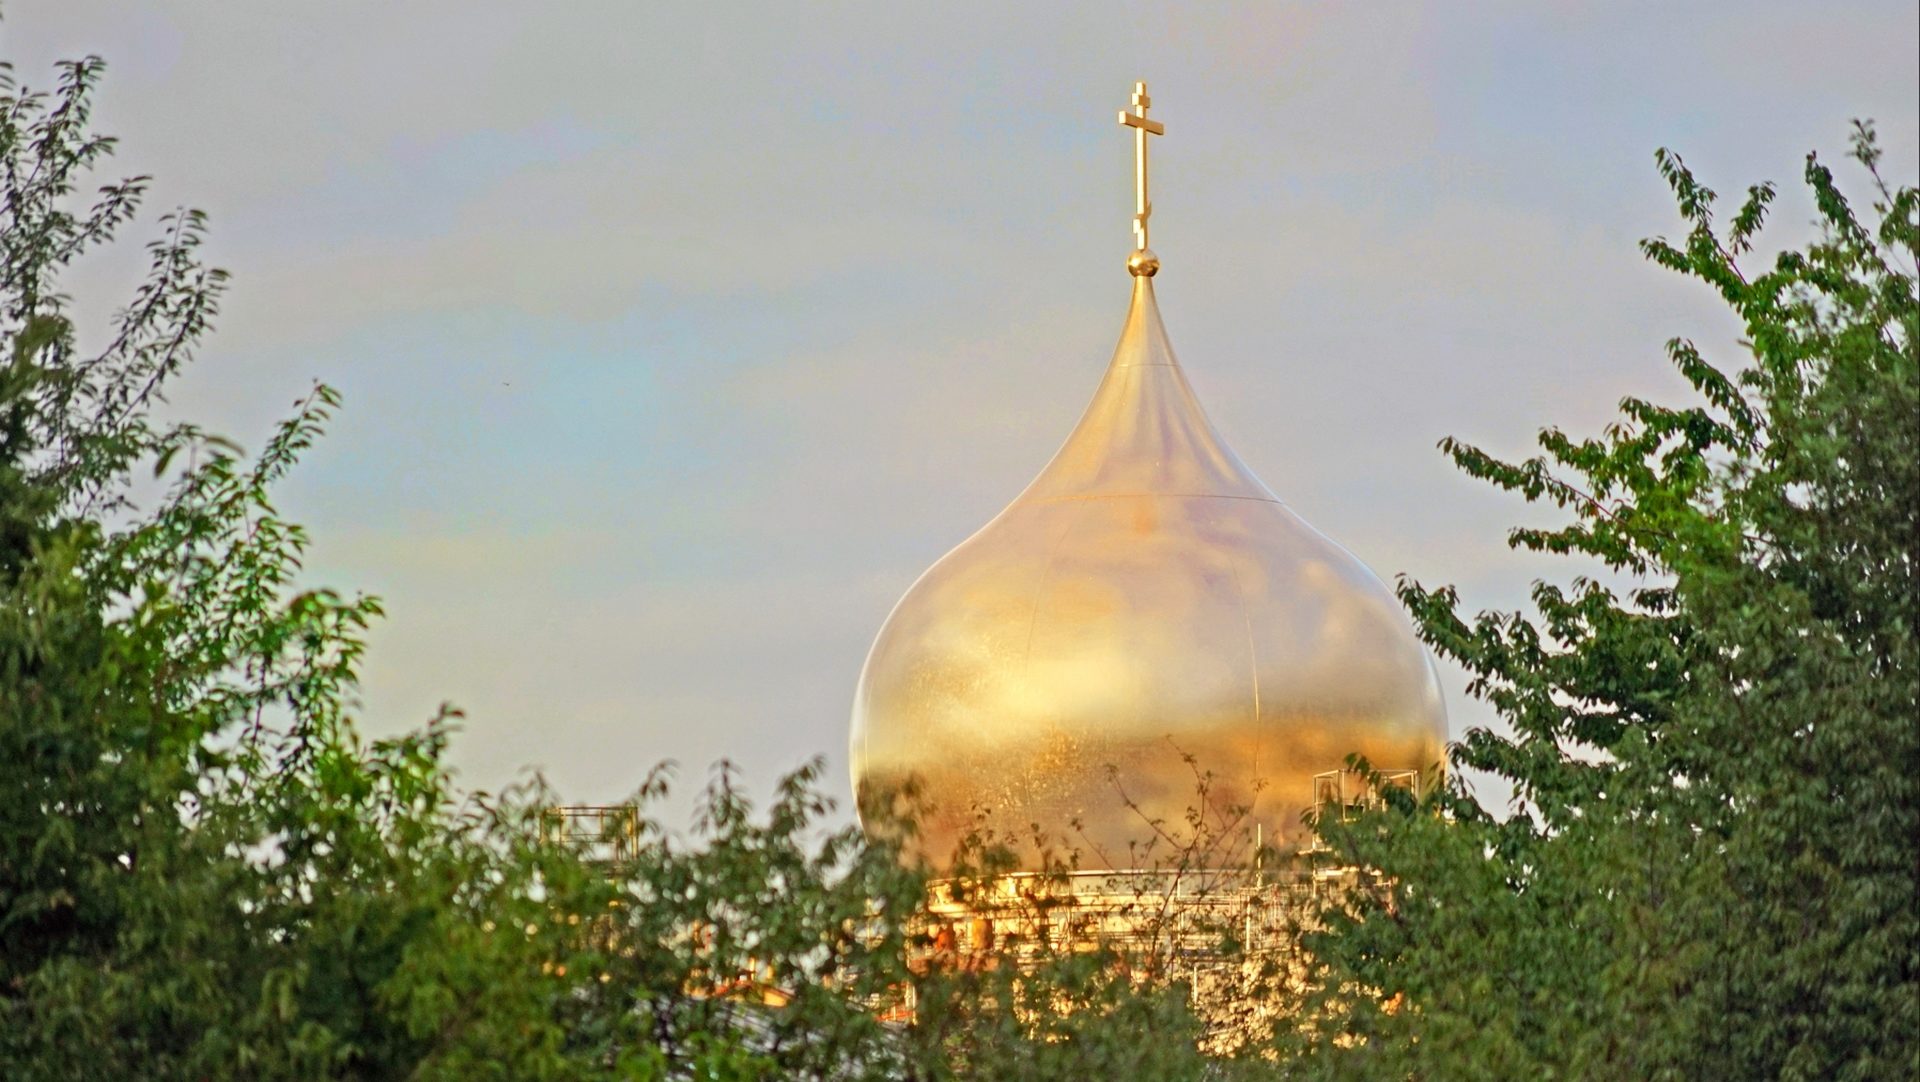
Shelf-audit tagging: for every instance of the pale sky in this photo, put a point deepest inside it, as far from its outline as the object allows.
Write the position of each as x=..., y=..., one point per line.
x=678, y=339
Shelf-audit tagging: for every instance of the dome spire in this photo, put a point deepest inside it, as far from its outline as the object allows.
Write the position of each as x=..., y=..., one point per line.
x=1142, y=263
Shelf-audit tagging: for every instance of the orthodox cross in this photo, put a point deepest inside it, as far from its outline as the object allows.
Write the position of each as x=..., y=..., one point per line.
x=1142, y=127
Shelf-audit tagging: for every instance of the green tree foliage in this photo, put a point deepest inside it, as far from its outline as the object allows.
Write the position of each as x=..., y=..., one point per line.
x=1711, y=868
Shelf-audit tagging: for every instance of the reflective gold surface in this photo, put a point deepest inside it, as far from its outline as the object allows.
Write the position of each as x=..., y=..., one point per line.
x=1145, y=597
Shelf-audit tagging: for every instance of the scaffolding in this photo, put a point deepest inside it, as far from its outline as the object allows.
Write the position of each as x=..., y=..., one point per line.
x=1341, y=796
x=608, y=833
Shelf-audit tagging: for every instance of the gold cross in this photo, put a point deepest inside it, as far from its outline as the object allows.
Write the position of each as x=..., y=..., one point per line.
x=1142, y=127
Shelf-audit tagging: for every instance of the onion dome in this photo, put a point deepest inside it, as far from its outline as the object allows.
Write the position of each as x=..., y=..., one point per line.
x=1146, y=609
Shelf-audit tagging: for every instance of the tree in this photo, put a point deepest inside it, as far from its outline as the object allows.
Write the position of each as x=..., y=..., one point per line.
x=1711, y=870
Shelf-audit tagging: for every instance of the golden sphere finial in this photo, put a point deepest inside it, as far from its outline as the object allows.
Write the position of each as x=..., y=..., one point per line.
x=1143, y=263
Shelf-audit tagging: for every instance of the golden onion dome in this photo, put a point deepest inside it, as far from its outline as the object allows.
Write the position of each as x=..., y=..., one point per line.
x=1145, y=608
